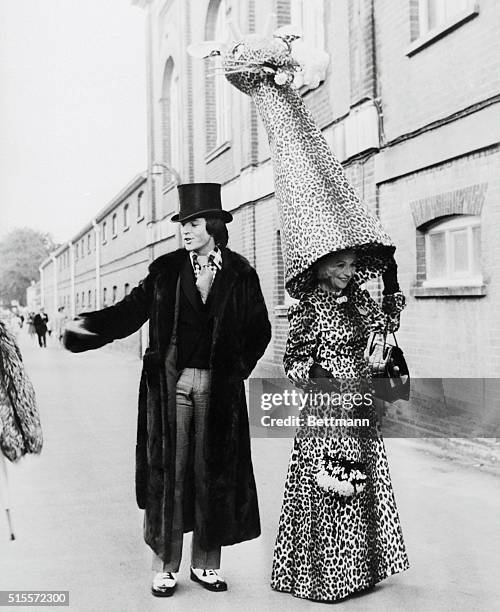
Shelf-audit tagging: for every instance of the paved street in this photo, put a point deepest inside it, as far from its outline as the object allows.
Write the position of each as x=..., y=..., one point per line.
x=78, y=528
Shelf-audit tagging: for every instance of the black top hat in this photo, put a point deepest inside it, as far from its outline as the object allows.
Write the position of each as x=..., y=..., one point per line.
x=200, y=200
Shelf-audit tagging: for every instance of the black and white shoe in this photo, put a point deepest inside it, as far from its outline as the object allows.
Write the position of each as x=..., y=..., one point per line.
x=164, y=584
x=209, y=579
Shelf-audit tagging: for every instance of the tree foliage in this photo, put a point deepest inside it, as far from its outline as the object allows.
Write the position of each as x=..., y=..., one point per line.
x=21, y=252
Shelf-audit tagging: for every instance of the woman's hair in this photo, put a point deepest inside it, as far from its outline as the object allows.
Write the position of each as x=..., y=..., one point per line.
x=217, y=228
x=317, y=265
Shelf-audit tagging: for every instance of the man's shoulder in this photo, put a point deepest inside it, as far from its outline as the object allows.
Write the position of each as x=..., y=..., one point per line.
x=168, y=262
x=237, y=262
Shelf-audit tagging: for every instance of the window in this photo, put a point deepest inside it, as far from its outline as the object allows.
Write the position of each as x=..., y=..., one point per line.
x=77, y=301
x=115, y=294
x=89, y=298
x=89, y=249
x=140, y=212
x=453, y=252
x=309, y=16
x=104, y=232
x=437, y=13
x=175, y=132
x=125, y=217
x=104, y=297
x=126, y=289
x=83, y=298
x=171, y=119
x=222, y=87
x=114, y=225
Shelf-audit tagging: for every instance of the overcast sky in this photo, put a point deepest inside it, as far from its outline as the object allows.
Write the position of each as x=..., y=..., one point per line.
x=72, y=109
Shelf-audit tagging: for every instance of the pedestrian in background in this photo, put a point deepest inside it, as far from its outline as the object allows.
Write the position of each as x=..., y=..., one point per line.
x=60, y=322
x=31, y=325
x=208, y=326
x=40, y=321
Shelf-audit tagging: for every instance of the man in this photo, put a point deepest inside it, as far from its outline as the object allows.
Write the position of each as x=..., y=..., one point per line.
x=61, y=319
x=40, y=322
x=208, y=326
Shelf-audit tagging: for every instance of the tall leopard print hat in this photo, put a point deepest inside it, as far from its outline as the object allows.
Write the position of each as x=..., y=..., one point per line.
x=319, y=210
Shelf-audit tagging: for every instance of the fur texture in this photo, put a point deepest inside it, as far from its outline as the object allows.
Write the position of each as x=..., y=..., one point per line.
x=20, y=429
x=241, y=332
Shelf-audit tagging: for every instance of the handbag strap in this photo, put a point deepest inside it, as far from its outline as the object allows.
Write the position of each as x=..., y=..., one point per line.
x=386, y=333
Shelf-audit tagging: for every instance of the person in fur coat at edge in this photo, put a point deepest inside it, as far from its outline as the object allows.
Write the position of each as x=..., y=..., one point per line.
x=208, y=327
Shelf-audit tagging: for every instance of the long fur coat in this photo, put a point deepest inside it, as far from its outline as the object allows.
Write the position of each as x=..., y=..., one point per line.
x=20, y=429
x=241, y=332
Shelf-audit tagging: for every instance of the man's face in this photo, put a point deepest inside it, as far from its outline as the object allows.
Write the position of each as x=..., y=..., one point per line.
x=195, y=236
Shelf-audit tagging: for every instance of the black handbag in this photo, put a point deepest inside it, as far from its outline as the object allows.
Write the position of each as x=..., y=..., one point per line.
x=391, y=377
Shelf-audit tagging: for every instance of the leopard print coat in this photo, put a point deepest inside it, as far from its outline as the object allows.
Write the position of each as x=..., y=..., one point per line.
x=328, y=545
x=20, y=429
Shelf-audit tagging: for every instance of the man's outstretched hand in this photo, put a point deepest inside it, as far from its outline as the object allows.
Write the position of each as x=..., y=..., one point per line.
x=77, y=339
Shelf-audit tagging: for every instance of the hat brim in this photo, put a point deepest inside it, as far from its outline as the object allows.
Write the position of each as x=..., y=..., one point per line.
x=227, y=217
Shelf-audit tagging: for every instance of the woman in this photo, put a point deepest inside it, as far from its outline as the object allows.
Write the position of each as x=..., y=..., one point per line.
x=339, y=529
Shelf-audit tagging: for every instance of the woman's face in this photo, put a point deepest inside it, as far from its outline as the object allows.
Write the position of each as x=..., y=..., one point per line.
x=337, y=268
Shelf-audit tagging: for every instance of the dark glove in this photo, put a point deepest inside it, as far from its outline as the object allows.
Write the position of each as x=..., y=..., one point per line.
x=390, y=278
x=77, y=339
x=321, y=377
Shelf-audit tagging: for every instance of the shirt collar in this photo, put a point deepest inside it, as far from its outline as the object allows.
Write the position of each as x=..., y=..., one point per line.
x=215, y=254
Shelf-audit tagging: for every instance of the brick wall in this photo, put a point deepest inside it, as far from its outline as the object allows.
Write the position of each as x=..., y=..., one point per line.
x=452, y=73
x=361, y=51
x=454, y=337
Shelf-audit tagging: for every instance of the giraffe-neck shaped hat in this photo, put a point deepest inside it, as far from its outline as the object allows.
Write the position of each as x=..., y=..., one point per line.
x=319, y=210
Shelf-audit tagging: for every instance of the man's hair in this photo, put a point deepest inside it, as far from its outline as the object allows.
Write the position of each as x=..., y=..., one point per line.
x=217, y=228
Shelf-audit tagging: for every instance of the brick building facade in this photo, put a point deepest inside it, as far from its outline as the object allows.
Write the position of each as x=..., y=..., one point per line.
x=410, y=106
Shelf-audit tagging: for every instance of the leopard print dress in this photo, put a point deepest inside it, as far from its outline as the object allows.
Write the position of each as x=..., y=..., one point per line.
x=328, y=545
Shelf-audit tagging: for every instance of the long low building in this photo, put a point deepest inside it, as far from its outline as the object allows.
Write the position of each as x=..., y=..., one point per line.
x=103, y=261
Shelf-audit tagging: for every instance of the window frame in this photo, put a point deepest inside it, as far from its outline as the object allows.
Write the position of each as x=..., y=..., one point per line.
x=421, y=38
x=310, y=21
x=449, y=226
x=175, y=118
x=126, y=216
x=222, y=91
x=140, y=212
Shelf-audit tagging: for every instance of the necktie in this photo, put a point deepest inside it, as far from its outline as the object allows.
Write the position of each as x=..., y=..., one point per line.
x=205, y=276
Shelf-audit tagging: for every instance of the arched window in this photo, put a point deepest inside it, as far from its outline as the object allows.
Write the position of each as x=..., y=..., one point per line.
x=218, y=90
x=89, y=248
x=171, y=119
x=104, y=297
x=104, y=232
x=89, y=298
x=125, y=216
x=126, y=289
x=114, y=225
x=453, y=251
x=140, y=198
x=115, y=294
x=309, y=16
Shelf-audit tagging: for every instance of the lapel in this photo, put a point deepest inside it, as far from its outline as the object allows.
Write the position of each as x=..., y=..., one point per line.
x=222, y=288
x=188, y=286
